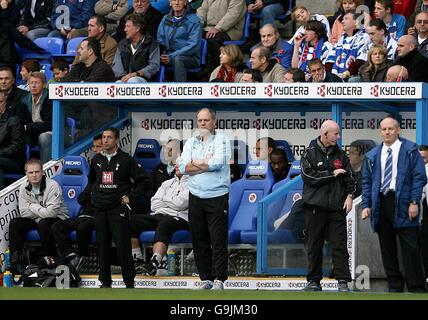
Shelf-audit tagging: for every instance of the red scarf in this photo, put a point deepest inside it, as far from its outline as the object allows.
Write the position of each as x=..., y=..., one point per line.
x=224, y=75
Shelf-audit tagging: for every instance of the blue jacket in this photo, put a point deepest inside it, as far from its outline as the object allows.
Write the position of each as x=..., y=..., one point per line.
x=411, y=179
x=181, y=38
x=80, y=11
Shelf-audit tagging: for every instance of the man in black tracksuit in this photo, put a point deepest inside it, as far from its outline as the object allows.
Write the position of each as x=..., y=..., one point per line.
x=328, y=192
x=118, y=183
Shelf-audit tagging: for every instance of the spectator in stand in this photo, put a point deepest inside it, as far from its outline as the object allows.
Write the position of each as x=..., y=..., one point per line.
x=41, y=204
x=396, y=74
x=357, y=152
x=221, y=21
x=9, y=12
x=271, y=70
x=78, y=15
x=280, y=49
x=409, y=57
x=350, y=51
x=27, y=67
x=421, y=6
x=59, y=68
x=293, y=75
x=279, y=164
x=251, y=75
x=142, y=8
x=319, y=74
x=393, y=179
x=264, y=148
x=312, y=45
x=112, y=11
x=345, y=7
x=13, y=93
x=83, y=224
x=35, y=112
x=35, y=21
x=97, y=29
x=9, y=36
x=91, y=67
x=166, y=169
x=423, y=233
x=420, y=32
x=170, y=209
x=395, y=23
x=12, y=145
x=137, y=56
x=376, y=66
x=300, y=15
x=379, y=36
x=404, y=7
x=231, y=65
x=179, y=36
x=268, y=9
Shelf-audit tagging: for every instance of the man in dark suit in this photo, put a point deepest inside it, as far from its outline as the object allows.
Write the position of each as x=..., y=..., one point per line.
x=319, y=74
x=7, y=85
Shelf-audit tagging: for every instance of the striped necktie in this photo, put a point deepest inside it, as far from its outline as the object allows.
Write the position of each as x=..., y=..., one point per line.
x=387, y=175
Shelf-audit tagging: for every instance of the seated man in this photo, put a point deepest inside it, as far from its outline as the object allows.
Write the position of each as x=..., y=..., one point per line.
x=271, y=70
x=179, y=35
x=279, y=164
x=395, y=23
x=293, y=75
x=170, y=213
x=12, y=136
x=84, y=224
x=320, y=74
x=111, y=13
x=264, y=148
x=35, y=21
x=59, y=68
x=13, y=94
x=397, y=74
x=166, y=169
x=251, y=75
x=41, y=204
x=137, y=56
x=35, y=112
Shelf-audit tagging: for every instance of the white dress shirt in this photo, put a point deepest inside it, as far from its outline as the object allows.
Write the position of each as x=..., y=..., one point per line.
x=395, y=151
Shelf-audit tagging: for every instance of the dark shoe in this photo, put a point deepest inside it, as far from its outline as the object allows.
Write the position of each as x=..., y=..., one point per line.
x=18, y=263
x=312, y=286
x=130, y=285
x=342, y=286
x=141, y=267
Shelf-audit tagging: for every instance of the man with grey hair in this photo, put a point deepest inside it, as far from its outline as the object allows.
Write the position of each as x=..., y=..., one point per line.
x=393, y=179
x=328, y=190
x=271, y=70
x=205, y=159
x=409, y=57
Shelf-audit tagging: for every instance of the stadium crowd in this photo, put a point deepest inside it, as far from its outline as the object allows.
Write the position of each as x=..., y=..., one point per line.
x=209, y=40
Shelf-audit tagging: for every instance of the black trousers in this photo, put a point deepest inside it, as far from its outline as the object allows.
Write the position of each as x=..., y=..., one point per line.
x=411, y=257
x=208, y=220
x=84, y=226
x=19, y=227
x=321, y=226
x=113, y=224
x=214, y=44
x=423, y=237
x=164, y=226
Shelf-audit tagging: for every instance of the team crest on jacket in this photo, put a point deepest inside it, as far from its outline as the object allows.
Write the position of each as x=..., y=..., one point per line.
x=337, y=164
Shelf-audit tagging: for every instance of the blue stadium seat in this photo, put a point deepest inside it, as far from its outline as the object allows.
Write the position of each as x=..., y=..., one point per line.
x=71, y=50
x=46, y=69
x=240, y=153
x=73, y=179
x=246, y=33
x=283, y=144
x=243, y=199
x=147, y=153
x=71, y=123
x=180, y=236
x=52, y=45
x=160, y=76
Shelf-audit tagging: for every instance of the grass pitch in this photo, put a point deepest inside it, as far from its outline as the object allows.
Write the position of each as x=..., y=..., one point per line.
x=186, y=294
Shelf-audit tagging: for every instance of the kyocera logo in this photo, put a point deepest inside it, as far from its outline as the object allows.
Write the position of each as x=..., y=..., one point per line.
x=268, y=90
x=374, y=91
x=110, y=91
x=73, y=163
x=59, y=91
x=162, y=91
x=146, y=146
x=214, y=91
x=321, y=90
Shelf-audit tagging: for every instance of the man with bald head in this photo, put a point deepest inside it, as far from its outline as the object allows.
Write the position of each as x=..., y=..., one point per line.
x=409, y=57
x=393, y=179
x=396, y=74
x=328, y=190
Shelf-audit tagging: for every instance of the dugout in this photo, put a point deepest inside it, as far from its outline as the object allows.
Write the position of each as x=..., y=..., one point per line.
x=246, y=111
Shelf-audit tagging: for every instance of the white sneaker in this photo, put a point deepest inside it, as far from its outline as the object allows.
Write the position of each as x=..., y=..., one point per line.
x=205, y=285
x=218, y=285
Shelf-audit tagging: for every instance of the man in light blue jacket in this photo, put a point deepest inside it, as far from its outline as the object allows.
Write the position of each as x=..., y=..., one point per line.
x=179, y=36
x=205, y=159
x=393, y=179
